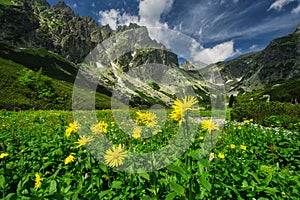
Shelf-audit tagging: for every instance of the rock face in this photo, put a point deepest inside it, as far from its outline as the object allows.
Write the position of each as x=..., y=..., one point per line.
x=280, y=60
x=58, y=29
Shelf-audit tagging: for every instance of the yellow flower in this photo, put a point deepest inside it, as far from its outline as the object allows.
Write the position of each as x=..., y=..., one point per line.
x=179, y=107
x=136, y=132
x=283, y=193
x=2, y=155
x=221, y=155
x=99, y=128
x=38, y=181
x=201, y=138
x=70, y=158
x=232, y=146
x=73, y=127
x=115, y=156
x=247, y=121
x=243, y=147
x=112, y=124
x=83, y=141
x=209, y=125
x=146, y=118
x=239, y=127
x=156, y=132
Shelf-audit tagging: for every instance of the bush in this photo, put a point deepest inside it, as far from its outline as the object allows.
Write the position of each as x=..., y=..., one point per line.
x=259, y=110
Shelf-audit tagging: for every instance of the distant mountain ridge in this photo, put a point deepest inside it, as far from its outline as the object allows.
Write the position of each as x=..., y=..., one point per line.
x=279, y=61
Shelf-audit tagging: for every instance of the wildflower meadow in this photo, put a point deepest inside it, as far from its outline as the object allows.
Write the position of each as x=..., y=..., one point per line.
x=50, y=155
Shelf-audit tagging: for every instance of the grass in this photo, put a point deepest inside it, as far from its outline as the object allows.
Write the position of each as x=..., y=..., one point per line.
x=15, y=96
x=36, y=143
x=7, y=3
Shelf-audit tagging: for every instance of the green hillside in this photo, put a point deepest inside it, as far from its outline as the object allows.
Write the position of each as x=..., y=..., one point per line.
x=22, y=88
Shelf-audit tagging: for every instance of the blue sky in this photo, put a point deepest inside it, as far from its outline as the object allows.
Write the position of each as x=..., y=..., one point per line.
x=225, y=28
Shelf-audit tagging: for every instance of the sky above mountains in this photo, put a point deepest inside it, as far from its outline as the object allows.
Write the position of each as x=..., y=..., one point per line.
x=224, y=28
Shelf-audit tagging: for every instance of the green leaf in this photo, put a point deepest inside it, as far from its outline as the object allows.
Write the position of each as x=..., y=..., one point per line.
x=2, y=181
x=177, y=169
x=177, y=188
x=244, y=184
x=53, y=187
x=171, y=196
x=143, y=174
x=255, y=176
x=205, y=183
x=267, y=180
x=116, y=184
x=11, y=196
x=234, y=190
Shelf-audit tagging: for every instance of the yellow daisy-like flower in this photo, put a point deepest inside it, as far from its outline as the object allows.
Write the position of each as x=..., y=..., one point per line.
x=146, y=118
x=73, y=127
x=283, y=193
x=156, y=132
x=179, y=107
x=136, y=132
x=232, y=146
x=243, y=147
x=2, y=155
x=221, y=155
x=248, y=121
x=115, y=156
x=38, y=181
x=239, y=127
x=112, y=124
x=70, y=158
x=83, y=141
x=209, y=125
x=201, y=138
x=99, y=128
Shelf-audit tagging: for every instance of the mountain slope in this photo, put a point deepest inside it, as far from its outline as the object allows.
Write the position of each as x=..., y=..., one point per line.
x=279, y=61
x=22, y=88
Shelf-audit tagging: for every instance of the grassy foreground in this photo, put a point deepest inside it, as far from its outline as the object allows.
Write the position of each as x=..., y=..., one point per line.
x=247, y=162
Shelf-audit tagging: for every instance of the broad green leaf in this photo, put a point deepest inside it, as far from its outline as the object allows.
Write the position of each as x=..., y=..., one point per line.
x=177, y=169
x=177, y=188
x=143, y=174
x=116, y=184
x=244, y=184
x=2, y=181
x=53, y=187
x=11, y=196
x=205, y=183
x=255, y=176
x=171, y=196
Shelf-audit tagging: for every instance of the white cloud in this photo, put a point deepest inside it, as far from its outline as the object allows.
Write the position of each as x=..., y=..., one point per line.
x=253, y=47
x=215, y=54
x=279, y=4
x=114, y=18
x=150, y=12
x=296, y=10
x=74, y=5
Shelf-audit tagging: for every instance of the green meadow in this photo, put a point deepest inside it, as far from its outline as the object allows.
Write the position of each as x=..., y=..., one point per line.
x=38, y=160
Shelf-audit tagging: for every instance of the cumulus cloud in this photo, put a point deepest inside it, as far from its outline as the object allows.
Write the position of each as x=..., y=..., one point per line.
x=253, y=47
x=296, y=10
x=114, y=18
x=215, y=54
x=150, y=12
x=279, y=4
